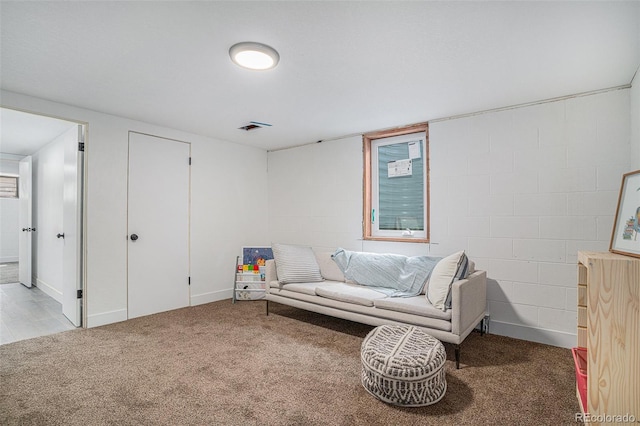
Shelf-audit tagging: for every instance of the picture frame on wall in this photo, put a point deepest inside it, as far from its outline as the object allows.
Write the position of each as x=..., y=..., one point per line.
x=625, y=238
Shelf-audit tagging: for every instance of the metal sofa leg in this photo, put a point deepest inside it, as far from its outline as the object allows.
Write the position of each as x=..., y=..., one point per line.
x=457, y=348
x=484, y=325
x=267, y=307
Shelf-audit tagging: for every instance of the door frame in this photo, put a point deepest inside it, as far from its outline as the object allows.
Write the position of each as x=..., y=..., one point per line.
x=25, y=219
x=72, y=249
x=81, y=205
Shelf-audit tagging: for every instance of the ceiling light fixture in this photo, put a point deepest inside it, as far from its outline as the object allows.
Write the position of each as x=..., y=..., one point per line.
x=254, y=56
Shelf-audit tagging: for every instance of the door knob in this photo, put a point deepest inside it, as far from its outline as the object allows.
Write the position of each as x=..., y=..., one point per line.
x=24, y=229
x=134, y=237
x=60, y=235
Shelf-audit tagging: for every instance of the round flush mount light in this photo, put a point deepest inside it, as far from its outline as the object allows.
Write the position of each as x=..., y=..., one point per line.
x=254, y=56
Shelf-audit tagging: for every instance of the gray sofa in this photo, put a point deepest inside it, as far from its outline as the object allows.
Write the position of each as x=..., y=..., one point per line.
x=354, y=302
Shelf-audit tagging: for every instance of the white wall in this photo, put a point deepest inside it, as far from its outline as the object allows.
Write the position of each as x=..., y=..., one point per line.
x=48, y=196
x=315, y=195
x=521, y=190
x=227, y=206
x=538, y=184
x=551, y=173
x=635, y=122
x=9, y=218
x=315, y=198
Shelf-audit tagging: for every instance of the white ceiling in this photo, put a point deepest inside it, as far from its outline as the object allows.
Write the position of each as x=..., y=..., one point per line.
x=24, y=134
x=345, y=67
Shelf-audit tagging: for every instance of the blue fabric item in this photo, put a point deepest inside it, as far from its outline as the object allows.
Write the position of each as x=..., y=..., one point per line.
x=392, y=274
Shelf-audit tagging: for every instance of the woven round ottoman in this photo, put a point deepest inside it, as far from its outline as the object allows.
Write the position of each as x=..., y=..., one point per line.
x=403, y=365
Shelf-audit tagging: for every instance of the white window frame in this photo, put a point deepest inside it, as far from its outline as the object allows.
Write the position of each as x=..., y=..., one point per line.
x=371, y=142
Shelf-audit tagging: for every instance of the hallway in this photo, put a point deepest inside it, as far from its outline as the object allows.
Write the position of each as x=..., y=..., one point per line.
x=29, y=312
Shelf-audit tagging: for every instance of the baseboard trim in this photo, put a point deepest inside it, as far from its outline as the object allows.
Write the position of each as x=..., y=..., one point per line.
x=539, y=335
x=104, y=318
x=9, y=259
x=50, y=291
x=214, y=296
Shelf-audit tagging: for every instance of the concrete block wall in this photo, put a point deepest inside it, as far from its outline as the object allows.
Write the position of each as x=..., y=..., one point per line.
x=527, y=188
x=521, y=190
x=315, y=195
x=635, y=121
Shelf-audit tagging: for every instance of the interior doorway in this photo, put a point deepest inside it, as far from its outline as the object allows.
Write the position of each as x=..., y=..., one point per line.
x=42, y=225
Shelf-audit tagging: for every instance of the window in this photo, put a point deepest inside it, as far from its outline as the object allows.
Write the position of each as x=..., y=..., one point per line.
x=396, y=193
x=8, y=186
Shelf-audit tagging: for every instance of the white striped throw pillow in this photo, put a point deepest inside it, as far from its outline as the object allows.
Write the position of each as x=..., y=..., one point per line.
x=296, y=264
x=452, y=268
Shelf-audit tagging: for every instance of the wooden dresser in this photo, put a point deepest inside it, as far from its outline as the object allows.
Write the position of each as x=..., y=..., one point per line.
x=609, y=329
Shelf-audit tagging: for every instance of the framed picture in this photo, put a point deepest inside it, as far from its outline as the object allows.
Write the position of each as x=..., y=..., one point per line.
x=626, y=227
x=256, y=255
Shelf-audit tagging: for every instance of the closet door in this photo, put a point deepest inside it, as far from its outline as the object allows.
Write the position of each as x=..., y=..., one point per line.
x=158, y=225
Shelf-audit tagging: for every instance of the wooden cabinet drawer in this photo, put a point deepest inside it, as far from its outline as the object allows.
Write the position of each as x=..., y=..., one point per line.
x=582, y=337
x=582, y=295
x=582, y=316
x=610, y=330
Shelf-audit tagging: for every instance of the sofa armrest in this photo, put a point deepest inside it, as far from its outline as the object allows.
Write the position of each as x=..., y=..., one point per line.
x=468, y=301
x=270, y=273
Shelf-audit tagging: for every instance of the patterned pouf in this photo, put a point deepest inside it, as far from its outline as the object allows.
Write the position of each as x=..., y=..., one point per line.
x=403, y=365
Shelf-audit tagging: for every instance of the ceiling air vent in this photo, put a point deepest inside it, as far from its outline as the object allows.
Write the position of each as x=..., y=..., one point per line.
x=253, y=125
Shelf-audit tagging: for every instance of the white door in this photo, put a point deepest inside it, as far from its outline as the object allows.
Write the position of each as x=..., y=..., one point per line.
x=158, y=225
x=26, y=228
x=72, y=225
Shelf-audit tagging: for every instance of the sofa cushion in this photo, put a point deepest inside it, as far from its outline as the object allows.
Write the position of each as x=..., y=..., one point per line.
x=318, y=304
x=417, y=305
x=350, y=293
x=446, y=271
x=307, y=288
x=295, y=264
x=328, y=268
x=275, y=284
